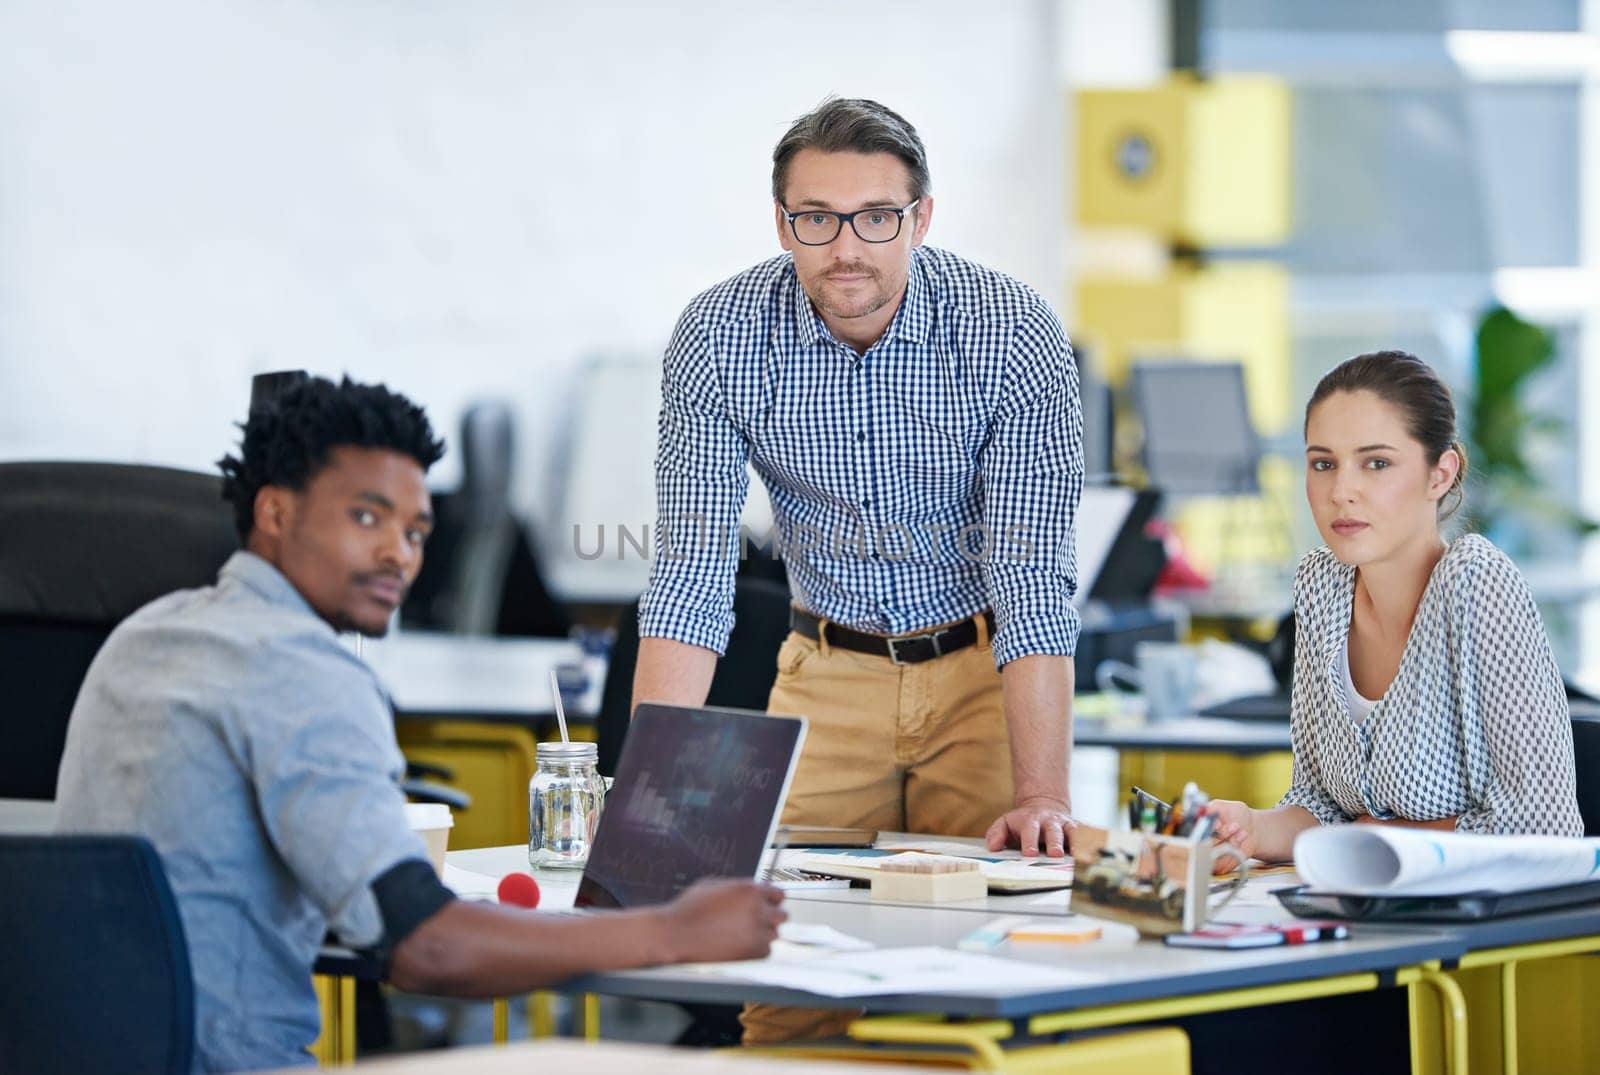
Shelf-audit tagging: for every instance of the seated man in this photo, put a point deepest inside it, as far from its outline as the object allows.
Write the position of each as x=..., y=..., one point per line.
x=230, y=727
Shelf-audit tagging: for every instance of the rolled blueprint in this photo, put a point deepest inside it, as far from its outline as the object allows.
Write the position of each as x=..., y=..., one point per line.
x=1387, y=860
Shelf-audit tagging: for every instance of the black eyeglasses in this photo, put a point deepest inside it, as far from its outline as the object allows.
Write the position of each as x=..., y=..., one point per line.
x=818, y=227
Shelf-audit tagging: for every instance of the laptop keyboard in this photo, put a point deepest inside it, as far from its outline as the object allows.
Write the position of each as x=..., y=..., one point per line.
x=788, y=875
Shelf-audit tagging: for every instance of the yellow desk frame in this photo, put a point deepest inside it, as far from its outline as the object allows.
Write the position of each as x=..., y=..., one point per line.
x=976, y=1044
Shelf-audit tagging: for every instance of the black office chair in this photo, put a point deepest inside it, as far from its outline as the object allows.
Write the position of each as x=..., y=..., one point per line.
x=97, y=972
x=1586, y=754
x=744, y=675
x=482, y=574
x=82, y=545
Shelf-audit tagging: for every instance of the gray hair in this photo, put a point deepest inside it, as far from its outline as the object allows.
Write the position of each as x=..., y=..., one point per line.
x=852, y=125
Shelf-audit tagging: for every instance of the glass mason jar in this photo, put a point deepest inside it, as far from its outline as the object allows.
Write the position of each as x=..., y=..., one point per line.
x=565, y=798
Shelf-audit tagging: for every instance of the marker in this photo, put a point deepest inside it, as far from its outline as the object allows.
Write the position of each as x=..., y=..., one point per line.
x=1314, y=931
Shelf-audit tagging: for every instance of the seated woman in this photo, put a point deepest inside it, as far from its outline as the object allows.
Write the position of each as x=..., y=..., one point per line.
x=1424, y=689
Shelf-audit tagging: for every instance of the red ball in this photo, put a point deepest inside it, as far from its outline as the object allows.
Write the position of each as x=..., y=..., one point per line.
x=519, y=889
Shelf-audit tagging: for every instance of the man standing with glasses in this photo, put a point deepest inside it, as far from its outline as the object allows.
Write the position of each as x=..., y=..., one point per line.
x=915, y=418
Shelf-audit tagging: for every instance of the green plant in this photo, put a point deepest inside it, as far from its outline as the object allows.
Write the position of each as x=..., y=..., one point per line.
x=1509, y=500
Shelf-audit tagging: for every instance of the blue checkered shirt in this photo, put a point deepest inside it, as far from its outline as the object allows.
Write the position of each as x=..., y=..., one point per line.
x=931, y=478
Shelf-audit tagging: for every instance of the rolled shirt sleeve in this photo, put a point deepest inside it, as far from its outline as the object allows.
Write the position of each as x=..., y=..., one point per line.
x=1032, y=481
x=325, y=769
x=701, y=483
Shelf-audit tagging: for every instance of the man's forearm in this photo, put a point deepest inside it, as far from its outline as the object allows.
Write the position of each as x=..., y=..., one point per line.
x=1038, y=704
x=672, y=672
x=478, y=950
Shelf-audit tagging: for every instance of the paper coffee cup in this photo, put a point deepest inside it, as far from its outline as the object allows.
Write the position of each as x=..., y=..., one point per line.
x=433, y=822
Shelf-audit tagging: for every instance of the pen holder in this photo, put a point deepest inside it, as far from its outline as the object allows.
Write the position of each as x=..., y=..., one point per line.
x=1157, y=884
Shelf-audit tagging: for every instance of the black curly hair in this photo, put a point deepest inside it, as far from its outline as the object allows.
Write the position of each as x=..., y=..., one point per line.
x=287, y=441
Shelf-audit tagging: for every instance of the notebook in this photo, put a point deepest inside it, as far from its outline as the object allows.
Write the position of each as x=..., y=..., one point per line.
x=697, y=794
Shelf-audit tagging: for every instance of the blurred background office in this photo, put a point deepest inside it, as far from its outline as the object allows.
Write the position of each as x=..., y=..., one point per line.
x=499, y=204
x=500, y=209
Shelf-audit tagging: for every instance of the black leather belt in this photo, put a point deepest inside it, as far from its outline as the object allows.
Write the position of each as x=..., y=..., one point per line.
x=901, y=649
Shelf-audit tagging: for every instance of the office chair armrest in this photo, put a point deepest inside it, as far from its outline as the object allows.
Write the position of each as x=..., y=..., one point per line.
x=428, y=769
x=426, y=791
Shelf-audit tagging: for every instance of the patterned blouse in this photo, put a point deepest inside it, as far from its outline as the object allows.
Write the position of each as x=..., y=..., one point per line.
x=1475, y=724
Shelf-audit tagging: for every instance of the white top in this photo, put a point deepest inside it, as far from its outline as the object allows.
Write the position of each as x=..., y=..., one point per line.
x=1359, y=707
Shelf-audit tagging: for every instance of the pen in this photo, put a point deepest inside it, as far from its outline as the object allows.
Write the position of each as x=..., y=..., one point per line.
x=1141, y=794
x=1148, y=805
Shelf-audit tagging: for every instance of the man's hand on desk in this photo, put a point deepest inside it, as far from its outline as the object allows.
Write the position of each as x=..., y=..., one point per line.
x=723, y=920
x=1033, y=825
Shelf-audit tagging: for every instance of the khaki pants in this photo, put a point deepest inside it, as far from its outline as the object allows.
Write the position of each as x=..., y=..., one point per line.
x=900, y=748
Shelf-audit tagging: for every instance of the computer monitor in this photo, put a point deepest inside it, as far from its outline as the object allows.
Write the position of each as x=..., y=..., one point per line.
x=697, y=794
x=1117, y=562
x=1197, y=433
x=1108, y=533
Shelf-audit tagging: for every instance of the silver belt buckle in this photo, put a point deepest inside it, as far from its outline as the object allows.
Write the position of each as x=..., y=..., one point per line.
x=894, y=654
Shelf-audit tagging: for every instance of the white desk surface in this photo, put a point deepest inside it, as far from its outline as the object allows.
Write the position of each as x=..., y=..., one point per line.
x=431, y=674
x=457, y=675
x=1119, y=967
x=1186, y=733
x=606, y=1058
x=27, y=816
x=1115, y=969
x=558, y=888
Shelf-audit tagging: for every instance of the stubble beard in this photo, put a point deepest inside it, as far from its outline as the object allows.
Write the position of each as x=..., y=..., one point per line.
x=830, y=299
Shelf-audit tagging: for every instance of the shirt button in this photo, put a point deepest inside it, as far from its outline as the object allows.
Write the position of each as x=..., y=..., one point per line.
x=866, y=503
x=861, y=437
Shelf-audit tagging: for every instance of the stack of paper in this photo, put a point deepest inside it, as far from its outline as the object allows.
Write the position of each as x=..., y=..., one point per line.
x=1002, y=874
x=904, y=970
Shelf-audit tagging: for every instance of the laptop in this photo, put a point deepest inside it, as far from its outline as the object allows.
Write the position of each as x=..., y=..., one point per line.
x=697, y=794
x=1306, y=902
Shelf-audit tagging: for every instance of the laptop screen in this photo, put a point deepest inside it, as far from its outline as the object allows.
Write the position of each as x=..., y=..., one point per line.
x=697, y=794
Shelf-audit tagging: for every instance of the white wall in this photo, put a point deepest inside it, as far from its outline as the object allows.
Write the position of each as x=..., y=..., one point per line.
x=460, y=198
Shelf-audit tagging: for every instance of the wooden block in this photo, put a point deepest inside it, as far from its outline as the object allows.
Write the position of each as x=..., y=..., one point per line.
x=921, y=878
x=920, y=862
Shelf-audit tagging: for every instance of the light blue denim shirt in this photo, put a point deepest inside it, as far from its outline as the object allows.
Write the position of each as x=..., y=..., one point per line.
x=229, y=727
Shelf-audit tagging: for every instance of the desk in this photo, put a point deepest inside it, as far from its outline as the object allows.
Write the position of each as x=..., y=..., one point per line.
x=1512, y=956
x=1247, y=760
x=482, y=678
x=607, y=1058
x=474, y=706
x=1116, y=971
x=1185, y=734
x=26, y=816
x=1126, y=981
